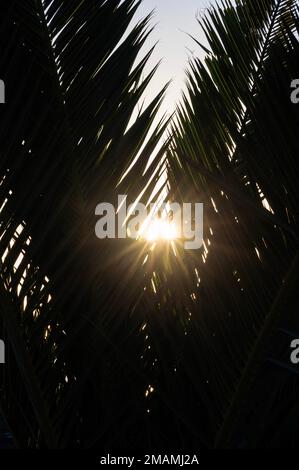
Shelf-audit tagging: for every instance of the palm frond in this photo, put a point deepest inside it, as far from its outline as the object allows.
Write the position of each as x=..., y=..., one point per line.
x=234, y=148
x=69, y=131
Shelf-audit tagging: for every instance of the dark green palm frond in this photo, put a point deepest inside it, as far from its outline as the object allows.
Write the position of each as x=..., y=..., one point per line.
x=234, y=147
x=68, y=134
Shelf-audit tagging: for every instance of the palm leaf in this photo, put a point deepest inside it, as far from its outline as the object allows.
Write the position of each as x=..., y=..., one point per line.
x=230, y=151
x=69, y=132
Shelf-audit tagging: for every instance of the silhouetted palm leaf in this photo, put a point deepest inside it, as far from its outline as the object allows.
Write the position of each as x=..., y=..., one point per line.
x=69, y=131
x=235, y=148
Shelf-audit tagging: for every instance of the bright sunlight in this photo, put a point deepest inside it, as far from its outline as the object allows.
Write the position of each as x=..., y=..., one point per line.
x=160, y=229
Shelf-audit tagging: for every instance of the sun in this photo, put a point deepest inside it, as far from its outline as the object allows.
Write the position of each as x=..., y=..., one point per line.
x=160, y=229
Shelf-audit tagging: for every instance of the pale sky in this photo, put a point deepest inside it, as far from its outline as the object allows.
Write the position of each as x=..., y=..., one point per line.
x=173, y=19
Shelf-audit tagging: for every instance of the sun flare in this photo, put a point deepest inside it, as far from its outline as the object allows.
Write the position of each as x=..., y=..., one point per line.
x=160, y=229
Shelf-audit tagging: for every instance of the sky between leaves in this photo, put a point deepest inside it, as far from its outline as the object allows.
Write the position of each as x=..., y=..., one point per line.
x=174, y=20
